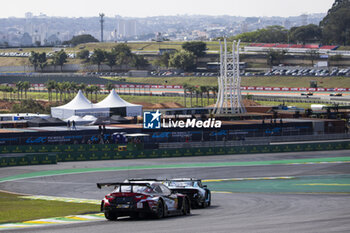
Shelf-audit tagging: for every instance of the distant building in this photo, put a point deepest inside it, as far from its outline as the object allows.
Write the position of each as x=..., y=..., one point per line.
x=26, y=40
x=52, y=40
x=126, y=27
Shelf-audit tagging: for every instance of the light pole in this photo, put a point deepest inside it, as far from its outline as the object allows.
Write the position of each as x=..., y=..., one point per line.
x=102, y=21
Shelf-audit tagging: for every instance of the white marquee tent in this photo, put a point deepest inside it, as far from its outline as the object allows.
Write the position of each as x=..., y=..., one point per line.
x=79, y=106
x=111, y=105
x=118, y=106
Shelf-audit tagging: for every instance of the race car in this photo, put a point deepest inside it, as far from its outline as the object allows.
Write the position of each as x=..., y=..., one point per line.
x=336, y=94
x=143, y=200
x=198, y=193
x=307, y=93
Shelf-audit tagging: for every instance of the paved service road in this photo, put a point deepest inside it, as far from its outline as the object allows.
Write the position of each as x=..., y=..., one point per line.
x=312, y=196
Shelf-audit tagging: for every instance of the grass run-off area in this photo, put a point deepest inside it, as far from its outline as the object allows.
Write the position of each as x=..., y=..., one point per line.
x=264, y=81
x=15, y=209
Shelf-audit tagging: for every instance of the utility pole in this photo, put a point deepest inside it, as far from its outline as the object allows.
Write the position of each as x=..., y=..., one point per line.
x=102, y=21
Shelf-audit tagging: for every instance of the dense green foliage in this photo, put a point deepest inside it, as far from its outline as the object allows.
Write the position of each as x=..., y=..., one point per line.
x=98, y=57
x=59, y=58
x=84, y=54
x=183, y=60
x=333, y=29
x=270, y=34
x=38, y=60
x=86, y=38
x=162, y=60
x=305, y=34
x=336, y=25
x=198, y=48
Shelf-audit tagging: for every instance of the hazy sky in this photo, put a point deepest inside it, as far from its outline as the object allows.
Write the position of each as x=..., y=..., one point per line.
x=142, y=8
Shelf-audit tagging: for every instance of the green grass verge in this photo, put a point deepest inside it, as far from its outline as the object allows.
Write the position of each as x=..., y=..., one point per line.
x=265, y=81
x=15, y=209
x=276, y=103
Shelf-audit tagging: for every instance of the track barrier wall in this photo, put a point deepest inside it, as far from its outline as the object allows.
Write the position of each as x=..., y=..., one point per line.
x=27, y=159
x=50, y=154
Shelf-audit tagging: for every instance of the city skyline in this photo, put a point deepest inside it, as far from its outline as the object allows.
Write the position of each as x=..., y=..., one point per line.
x=136, y=8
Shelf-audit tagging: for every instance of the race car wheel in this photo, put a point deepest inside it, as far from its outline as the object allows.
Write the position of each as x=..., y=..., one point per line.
x=111, y=216
x=186, y=210
x=160, y=209
x=209, y=201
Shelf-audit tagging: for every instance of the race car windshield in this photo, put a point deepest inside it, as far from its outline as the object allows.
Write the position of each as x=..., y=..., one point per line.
x=135, y=189
x=181, y=183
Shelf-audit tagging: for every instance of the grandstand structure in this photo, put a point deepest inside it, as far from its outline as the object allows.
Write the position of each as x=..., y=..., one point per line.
x=229, y=95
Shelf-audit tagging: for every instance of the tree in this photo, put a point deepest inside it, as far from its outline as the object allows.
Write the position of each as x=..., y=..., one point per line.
x=162, y=60
x=19, y=87
x=50, y=85
x=306, y=34
x=89, y=90
x=109, y=86
x=111, y=59
x=98, y=57
x=336, y=24
x=270, y=34
x=82, y=87
x=183, y=60
x=60, y=58
x=198, y=48
x=204, y=89
x=191, y=89
x=85, y=38
x=42, y=60
x=84, y=55
x=123, y=54
x=34, y=59
x=96, y=89
x=25, y=86
x=140, y=61
x=185, y=87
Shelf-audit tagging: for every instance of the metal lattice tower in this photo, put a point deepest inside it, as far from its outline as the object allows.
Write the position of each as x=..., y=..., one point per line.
x=229, y=99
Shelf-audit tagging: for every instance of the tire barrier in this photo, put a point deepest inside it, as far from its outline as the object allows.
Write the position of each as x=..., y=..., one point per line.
x=85, y=152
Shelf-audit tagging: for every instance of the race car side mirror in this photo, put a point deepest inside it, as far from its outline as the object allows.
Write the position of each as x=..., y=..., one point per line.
x=205, y=186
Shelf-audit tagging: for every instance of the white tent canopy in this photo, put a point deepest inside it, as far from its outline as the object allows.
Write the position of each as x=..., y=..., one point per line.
x=113, y=101
x=79, y=102
x=81, y=106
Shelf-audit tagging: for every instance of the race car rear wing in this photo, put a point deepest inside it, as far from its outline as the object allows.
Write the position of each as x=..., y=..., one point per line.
x=100, y=185
x=164, y=180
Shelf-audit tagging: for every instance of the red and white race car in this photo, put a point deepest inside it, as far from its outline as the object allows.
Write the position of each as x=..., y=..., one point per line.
x=143, y=200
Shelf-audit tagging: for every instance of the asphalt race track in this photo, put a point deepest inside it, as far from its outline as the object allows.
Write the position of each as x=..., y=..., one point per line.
x=313, y=196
